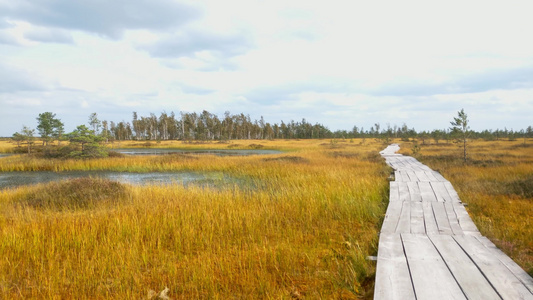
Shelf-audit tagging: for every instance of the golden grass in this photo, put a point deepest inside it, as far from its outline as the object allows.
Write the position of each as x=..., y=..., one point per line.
x=6, y=146
x=497, y=185
x=304, y=229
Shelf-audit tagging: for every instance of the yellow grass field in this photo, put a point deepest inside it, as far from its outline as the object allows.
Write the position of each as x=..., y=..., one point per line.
x=301, y=226
x=497, y=184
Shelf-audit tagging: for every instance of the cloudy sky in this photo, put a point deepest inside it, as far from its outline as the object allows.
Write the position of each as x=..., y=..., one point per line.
x=339, y=63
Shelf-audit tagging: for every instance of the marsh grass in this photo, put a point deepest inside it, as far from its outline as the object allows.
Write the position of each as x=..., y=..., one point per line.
x=303, y=231
x=6, y=146
x=75, y=194
x=497, y=184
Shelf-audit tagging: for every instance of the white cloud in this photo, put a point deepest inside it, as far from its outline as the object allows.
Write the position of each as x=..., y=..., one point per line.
x=109, y=19
x=341, y=63
x=47, y=35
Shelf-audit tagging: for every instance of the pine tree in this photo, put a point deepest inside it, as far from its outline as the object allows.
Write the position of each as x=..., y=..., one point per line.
x=461, y=129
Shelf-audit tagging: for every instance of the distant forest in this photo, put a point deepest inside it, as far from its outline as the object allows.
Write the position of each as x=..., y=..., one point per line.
x=206, y=126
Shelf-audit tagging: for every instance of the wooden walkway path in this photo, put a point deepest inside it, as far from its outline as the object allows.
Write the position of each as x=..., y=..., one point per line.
x=429, y=248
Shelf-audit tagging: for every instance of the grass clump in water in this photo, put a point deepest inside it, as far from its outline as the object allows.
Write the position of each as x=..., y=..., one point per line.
x=74, y=194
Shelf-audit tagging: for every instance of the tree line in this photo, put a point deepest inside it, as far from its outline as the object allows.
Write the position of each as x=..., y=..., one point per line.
x=206, y=126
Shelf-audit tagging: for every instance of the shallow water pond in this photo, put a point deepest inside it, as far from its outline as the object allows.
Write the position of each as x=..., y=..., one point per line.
x=218, y=152
x=14, y=179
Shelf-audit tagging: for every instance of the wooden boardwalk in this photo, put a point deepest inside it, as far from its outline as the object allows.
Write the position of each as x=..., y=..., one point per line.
x=429, y=248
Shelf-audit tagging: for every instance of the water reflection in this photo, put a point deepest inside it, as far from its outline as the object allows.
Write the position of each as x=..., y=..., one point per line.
x=218, y=152
x=14, y=179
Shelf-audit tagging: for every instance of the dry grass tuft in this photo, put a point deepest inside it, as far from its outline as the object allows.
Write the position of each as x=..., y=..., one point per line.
x=293, y=159
x=75, y=194
x=256, y=146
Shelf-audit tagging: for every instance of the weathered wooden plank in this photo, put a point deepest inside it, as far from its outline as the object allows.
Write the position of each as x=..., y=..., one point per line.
x=404, y=224
x=392, y=216
x=456, y=262
x=466, y=223
x=400, y=162
x=426, y=168
x=397, y=176
x=422, y=176
x=429, y=218
x=441, y=217
x=431, y=175
x=439, y=176
x=431, y=277
x=441, y=192
x=393, y=280
x=426, y=191
x=394, y=191
x=415, y=164
x=414, y=191
x=506, y=284
x=409, y=165
x=452, y=218
x=412, y=175
x=472, y=282
x=417, y=218
x=405, y=176
x=419, y=167
x=451, y=191
x=508, y=262
x=403, y=190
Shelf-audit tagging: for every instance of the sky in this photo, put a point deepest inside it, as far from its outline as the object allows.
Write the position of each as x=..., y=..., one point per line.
x=338, y=63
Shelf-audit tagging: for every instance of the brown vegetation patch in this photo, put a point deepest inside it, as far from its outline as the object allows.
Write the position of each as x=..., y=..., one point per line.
x=256, y=146
x=73, y=194
x=522, y=187
x=234, y=145
x=374, y=156
x=197, y=142
x=487, y=162
x=115, y=154
x=520, y=146
x=294, y=159
x=333, y=145
x=344, y=154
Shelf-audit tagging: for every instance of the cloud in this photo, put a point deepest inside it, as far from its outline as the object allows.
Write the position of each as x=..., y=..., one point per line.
x=291, y=90
x=5, y=24
x=202, y=61
x=200, y=50
x=106, y=18
x=15, y=80
x=502, y=79
x=7, y=38
x=189, y=89
x=188, y=43
x=49, y=36
x=508, y=79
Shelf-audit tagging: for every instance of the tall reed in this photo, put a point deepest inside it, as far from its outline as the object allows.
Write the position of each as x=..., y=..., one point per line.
x=301, y=227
